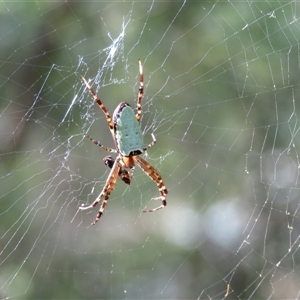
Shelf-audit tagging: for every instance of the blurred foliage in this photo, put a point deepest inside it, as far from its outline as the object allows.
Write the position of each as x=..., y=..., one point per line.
x=222, y=83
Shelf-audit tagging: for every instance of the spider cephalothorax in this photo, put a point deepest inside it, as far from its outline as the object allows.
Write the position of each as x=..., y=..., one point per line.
x=123, y=174
x=127, y=134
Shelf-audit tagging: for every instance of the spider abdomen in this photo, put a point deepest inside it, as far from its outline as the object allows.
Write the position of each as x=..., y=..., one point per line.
x=128, y=133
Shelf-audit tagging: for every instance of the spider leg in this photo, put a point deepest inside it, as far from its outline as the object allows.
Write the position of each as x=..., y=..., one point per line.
x=98, y=144
x=106, y=191
x=141, y=92
x=152, y=143
x=123, y=174
x=155, y=176
x=101, y=105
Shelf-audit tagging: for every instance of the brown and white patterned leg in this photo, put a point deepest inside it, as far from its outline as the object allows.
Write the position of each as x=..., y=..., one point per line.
x=101, y=146
x=106, y=191
x=155, y=176
x=141, y=92
x=101, y=105
x=151, y=144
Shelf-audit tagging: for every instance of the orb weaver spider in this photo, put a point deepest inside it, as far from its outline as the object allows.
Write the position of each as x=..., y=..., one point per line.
x=127, y=135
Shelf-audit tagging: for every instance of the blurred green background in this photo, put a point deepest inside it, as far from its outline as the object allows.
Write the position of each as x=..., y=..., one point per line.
x=221, y=97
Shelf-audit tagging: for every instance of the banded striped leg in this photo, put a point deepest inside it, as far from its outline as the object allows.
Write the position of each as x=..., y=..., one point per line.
x=106, y=191
x=98, y=144
x=154, y=175
x=101, y=105
x=141, y=92
x=151, y=144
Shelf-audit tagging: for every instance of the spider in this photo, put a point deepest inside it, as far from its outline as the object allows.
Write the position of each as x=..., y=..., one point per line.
x=127, y=135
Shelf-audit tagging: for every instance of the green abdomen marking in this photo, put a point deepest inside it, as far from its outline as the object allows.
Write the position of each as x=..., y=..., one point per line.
x=128, y=134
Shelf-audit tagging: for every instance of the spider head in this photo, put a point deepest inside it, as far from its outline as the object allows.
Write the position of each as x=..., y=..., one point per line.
x=123, y=174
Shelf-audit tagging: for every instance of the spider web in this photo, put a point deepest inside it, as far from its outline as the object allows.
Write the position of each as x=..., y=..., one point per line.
x=221, y=94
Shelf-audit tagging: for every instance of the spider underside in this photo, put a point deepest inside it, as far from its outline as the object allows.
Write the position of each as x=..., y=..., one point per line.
x=126, y=132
